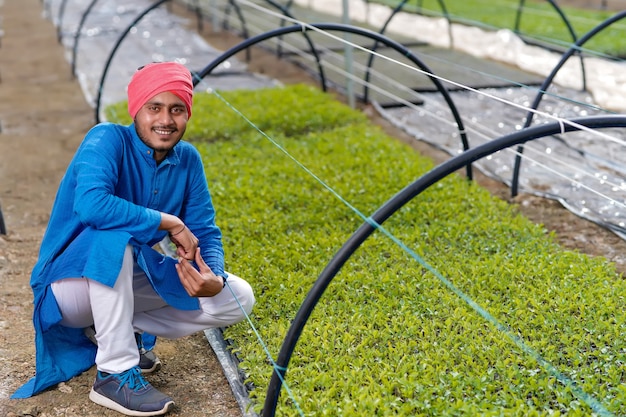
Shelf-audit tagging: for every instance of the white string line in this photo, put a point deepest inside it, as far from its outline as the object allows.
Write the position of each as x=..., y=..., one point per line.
x=553, y=157
x=412, y=68
x=580, y=170
x=392, y=82
x=486, y=131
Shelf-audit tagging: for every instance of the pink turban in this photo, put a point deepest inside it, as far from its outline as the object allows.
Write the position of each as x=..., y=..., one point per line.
x=156, y=78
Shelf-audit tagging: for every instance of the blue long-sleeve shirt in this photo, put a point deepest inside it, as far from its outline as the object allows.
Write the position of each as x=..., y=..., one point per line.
x=111, y=195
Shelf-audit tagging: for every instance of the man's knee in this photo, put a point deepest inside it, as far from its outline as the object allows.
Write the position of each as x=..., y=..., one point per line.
x=241, y=290
x=245, y=294
x=72, y=297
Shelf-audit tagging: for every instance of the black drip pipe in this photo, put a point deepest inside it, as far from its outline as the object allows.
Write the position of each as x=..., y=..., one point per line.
x=244, y=27
x=115, y=48
x=444, y=10
x=242, y=20
x=77, y=34
x=424, y=67
x=548, y=81
x=3, y=228
x=370, y=61
x=388, y=209
x=60, y=24
x=285, y=12
x=383, y=29
x=350, y=29
x=199, y=17
x=569, y=26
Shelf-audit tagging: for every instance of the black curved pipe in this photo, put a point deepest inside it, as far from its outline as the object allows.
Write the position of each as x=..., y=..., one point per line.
x=388, y=209
x=3, y=228
x=285, y=11
x=569, y=26
x=440, y=87
x=546, y=83
x=199, y=16
x=446, y=14
x=244, y=26
x=60, y=25
x=115, y=48
x=399, y=8
x=77, y=34
x=370, y=61
x=351, y=29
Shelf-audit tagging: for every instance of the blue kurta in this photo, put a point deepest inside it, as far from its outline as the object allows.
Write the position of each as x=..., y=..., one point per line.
x=111, y=195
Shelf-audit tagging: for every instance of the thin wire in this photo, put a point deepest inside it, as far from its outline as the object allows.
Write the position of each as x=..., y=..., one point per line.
x=412, y=68
x=407, y=103
x=434, y=115
x=279, y=370
x=565, y=380
x=593, y=403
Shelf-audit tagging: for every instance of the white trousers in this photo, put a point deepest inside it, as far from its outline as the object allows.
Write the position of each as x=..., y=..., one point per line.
x=132, y=306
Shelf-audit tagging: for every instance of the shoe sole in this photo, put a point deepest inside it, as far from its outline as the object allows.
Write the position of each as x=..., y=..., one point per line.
x=108, y=403
x=155, y=367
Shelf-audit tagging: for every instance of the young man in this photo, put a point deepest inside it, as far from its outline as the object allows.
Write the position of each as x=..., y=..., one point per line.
x=126, y=189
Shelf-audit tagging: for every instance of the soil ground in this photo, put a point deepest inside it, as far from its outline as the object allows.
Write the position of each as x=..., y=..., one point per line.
x=43, y=118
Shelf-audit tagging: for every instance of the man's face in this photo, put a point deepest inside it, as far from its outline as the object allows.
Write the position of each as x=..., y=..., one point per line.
x=161, y=123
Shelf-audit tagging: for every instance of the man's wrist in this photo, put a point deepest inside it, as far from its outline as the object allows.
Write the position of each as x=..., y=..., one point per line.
x=177, y=232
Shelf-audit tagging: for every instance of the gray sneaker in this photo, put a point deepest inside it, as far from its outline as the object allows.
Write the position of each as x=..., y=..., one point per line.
x=148, y=361
x=129, y=393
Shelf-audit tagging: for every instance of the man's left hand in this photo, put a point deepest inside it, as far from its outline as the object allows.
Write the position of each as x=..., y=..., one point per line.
x=198, y=283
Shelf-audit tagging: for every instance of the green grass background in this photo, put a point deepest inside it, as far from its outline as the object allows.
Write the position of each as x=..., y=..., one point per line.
x=389, y=337
x=539, y=20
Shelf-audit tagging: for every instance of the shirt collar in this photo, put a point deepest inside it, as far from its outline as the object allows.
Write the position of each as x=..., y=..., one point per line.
x=148, y=153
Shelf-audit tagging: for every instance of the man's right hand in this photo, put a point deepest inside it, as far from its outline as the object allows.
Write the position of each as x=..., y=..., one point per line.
x=186, y=243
